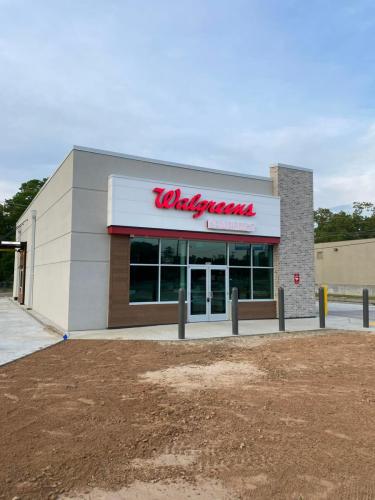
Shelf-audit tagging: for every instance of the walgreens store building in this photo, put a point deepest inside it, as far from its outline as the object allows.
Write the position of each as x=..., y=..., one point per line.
x=111, y=238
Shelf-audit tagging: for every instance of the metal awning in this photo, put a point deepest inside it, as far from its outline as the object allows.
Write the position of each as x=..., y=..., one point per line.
x=12, y=245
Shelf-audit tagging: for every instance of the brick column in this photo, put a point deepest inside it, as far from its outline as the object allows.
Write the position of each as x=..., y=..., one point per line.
x=295, y=253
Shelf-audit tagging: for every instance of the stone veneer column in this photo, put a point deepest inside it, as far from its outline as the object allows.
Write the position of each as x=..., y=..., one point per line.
x=295, y=253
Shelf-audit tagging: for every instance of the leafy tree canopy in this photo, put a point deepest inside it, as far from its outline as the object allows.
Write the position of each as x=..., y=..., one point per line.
x=360, y=224
x=10, y=211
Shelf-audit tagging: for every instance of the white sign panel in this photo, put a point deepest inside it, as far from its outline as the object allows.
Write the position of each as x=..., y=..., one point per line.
x=224, y=225
x=134, y=202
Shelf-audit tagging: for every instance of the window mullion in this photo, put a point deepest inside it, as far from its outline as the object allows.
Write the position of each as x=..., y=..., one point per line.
x=251, y=273
x=159, y=271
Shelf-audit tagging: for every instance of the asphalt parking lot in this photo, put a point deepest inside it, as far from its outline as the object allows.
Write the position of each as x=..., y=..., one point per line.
x=349, y=310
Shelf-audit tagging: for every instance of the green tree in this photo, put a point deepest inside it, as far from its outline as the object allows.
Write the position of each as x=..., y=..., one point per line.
x=10, y=211
x=330, y=226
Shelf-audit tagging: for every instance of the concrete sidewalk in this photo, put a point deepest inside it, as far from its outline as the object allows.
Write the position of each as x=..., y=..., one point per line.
x=195, y=331
x=20, y=334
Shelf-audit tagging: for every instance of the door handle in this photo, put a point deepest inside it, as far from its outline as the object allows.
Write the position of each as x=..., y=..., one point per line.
x=208, y=299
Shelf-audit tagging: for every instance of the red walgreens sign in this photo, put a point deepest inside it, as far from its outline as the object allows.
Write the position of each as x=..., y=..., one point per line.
x=172, y=200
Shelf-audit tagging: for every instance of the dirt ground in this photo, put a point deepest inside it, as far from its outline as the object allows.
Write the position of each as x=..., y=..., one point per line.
x=283, y=417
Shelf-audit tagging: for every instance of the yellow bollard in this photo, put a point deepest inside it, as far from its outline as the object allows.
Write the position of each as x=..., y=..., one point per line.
x=325, y=288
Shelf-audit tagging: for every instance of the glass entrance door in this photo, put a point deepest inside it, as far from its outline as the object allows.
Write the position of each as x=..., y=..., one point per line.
x=218, y=294
x=207, y=293
x=198, y=303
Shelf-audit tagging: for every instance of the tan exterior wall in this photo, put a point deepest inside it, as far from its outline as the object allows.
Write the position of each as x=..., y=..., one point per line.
x=346, y=266
x=49, y=294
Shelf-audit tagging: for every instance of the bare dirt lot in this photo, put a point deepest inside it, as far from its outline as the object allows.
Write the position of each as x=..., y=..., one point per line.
x=287, y=417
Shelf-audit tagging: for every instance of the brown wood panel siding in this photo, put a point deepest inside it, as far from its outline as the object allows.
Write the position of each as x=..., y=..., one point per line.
x=257, y=310
x=121, y=314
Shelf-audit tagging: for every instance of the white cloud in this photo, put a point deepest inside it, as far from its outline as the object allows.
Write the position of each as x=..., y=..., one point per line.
x=97, y=84
x=7, y=189
x=319, y=143
x=355, y=179
x=341, y=152
x=313, y=131
x=345, y=189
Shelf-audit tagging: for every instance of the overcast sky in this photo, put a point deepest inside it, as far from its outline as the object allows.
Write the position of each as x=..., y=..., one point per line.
x=231, y=84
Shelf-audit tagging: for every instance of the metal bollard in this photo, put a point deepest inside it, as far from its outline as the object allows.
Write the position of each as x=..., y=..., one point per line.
x=281, y=310
x=322, y=316
x=325, y=288
x=181, y=314
x=234, y=311
x=366, y=312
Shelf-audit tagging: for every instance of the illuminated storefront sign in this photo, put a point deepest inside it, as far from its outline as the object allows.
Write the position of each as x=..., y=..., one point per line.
x=171, y=199
x=161, y=205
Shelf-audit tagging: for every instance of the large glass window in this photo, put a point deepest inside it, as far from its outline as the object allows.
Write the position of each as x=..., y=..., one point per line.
x=251, y=270
x=172, y=278
x=143, y=283
x=239, y=254
x=144, y=251
x=202, y=252
x=158, y=268
x=173, y=251
x=262, y=283
x=241, y=278
x=262, y=255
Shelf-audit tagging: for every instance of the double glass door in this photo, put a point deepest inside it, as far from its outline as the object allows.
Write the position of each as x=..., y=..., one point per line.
x=207, y=293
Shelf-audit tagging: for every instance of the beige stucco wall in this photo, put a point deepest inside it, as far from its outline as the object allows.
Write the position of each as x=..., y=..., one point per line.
x=53, y=209
x=345, y=265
